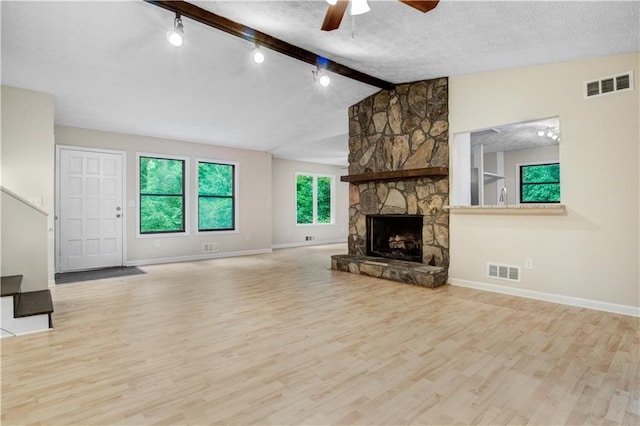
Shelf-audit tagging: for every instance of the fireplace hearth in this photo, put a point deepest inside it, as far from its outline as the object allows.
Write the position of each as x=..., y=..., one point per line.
x=395, y=236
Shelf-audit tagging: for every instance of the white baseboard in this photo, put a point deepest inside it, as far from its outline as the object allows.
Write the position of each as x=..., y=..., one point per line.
x=52, y=283
x=195, y=257
x=308, y=243
x=550, y=297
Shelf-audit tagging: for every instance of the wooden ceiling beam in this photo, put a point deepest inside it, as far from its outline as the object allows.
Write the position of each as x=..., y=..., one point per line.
x=265, y=40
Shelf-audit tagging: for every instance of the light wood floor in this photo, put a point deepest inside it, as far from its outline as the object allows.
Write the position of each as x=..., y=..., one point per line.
x=280, y=339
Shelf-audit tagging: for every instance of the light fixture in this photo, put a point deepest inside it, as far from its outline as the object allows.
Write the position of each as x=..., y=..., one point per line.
x=358, y=7
x=549, y=132
x=321, y=77
x=325, y=80
x=176, y=35
x=258, y=55
x=332, y=2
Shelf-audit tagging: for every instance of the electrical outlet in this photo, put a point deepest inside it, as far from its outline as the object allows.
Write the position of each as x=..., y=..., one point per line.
x=528, y=263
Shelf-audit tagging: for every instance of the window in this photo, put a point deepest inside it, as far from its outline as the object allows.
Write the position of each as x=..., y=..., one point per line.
x=216, y=196
x=540, y=183
x=162, y=195
x=314, y=199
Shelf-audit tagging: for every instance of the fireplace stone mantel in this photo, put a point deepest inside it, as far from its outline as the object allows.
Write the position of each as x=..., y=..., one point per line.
x=433, y=172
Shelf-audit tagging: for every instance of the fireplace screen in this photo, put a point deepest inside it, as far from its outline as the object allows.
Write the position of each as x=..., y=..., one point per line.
x=395, y=236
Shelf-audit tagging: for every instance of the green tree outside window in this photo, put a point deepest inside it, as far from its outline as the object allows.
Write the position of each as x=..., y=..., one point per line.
x=540, y=183
x=216, y=199
x=313, y=199
x=161, y=195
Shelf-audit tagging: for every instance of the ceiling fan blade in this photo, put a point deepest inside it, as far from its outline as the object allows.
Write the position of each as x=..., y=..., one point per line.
x=422, y=5
x=334, y=15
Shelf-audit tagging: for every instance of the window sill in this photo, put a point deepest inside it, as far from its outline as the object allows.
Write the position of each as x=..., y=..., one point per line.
x=522, y=209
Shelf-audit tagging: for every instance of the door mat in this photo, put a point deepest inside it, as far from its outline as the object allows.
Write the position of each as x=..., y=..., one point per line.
x=97, y=274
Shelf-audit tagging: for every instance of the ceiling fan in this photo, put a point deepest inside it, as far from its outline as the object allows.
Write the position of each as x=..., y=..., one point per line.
x=336, y=10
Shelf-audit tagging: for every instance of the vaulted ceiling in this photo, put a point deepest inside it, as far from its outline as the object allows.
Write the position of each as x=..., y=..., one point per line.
x=110, y=67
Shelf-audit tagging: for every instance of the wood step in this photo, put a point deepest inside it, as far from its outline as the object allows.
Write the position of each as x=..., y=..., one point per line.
x=10, y=285
x=32, y=303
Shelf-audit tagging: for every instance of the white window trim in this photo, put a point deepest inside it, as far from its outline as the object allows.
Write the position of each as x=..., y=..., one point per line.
x=535, y=163
x=315, y=197
x=187, y=203
x=236, y=197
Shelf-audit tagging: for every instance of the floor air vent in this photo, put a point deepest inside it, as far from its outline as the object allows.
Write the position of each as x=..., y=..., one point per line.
x=503, y=272
x=608, y=85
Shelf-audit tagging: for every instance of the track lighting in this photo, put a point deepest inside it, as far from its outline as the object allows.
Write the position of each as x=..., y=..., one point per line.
x=176, y=35
x=358, y=7
x=325, y=80
x=550, y=132
x=258, y=55
x=321, y=77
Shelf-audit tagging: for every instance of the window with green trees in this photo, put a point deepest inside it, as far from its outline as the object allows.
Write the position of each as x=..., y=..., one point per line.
x=540, y=183
x=162, y=195
x=216, y=198
x=314, y=194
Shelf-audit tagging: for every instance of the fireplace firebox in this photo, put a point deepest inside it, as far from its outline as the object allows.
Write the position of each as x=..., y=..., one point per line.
x=395, y=236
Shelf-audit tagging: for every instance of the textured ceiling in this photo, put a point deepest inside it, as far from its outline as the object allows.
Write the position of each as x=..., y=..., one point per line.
x=515, y=136
x=110, y=68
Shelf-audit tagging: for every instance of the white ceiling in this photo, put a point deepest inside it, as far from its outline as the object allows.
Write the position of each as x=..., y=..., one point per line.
x=511, y=137
x=110, y=68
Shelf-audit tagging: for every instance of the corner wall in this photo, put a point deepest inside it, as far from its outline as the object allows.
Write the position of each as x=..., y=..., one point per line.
x=28, y=154
x=589, y=256
x=286, y=233
x=254, y=196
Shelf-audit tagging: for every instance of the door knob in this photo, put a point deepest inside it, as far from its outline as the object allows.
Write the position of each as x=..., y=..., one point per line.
x=118, y=215
x=118, y=208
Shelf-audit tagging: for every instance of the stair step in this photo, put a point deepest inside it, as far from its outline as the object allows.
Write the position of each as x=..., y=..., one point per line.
x=10, y=285
x=33, y=303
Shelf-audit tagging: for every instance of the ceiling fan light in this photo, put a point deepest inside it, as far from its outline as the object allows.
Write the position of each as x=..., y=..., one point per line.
x=358, y=7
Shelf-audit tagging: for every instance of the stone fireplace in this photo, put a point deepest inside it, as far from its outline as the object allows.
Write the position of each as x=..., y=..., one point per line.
x=398, y=175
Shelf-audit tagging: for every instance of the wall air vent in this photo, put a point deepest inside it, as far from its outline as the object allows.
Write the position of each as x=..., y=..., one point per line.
x=210, y=248
x=503, y=272
x=608, y=85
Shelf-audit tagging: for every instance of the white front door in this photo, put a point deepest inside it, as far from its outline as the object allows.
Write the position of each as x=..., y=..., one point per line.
x=90, y=210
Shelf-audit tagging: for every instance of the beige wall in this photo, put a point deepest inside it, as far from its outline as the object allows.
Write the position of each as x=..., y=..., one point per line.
x=254, y=195
x=591, y=252
x=28, y=155
x=24, y=243
x=285, y=230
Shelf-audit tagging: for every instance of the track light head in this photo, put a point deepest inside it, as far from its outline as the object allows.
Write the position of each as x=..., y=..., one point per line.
x=176, y=35
x=320, y=76
x=258, y=55
x=324, y=80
